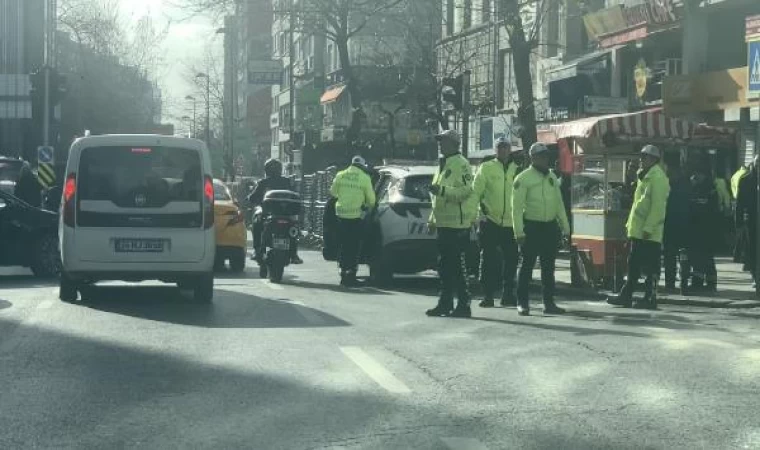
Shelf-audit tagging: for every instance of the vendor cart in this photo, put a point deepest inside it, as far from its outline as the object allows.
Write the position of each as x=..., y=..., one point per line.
x=605, y=153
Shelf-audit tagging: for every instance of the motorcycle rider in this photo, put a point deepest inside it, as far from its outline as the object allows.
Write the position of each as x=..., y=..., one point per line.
x=273, y=181
x=353, y=190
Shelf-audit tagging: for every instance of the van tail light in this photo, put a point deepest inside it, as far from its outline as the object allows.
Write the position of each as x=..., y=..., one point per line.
x=208, y=202
x=69, y=200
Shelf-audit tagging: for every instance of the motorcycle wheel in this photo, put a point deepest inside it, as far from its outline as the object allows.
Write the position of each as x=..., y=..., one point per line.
x=276, y=271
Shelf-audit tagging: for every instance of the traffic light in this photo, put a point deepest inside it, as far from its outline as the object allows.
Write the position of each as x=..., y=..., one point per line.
x=452, y=91
x=58, y=90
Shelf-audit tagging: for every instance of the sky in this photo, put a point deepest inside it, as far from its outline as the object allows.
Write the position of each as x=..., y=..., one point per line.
x=186, y=41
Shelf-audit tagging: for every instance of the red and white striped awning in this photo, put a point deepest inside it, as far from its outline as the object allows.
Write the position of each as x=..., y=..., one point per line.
x=651, y=124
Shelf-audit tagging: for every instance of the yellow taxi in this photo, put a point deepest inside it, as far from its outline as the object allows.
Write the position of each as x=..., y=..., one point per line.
x=231, y=234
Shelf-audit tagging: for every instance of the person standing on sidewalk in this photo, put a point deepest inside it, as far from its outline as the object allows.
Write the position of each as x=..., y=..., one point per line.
x=352, y=188
x=493, y=191
x=704, y=221
x=538, y=216
x=746, y=215
x=676, y=223
x=645, y=227
x=454, y=212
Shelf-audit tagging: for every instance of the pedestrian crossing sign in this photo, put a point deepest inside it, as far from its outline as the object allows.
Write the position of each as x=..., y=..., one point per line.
x=753, y=87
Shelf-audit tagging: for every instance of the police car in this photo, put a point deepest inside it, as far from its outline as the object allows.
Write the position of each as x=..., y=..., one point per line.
x=400, y=241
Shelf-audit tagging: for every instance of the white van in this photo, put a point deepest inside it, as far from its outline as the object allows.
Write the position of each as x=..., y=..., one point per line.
x=138, y=207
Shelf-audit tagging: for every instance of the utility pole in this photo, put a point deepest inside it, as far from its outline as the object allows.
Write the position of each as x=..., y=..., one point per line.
x=292, y=80
x=466, y=112
x=48, y=63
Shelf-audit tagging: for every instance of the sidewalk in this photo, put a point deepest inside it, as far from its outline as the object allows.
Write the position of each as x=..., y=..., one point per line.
x=734, y=288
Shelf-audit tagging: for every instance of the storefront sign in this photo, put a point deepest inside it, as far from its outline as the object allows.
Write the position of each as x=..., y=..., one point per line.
x=752, y=28
x=635, y=34
x=720, y=90
x=617, y=18
x=604, y=105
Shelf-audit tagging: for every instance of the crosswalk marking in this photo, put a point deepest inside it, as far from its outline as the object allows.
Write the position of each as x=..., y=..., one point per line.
x=375, y=370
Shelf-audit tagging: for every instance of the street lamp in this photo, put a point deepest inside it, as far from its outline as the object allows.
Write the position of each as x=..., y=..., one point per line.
x=192, y=99
x=208, y=105
x=185, y=120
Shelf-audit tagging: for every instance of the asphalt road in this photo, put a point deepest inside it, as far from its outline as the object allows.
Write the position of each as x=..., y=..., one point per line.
x=308, y=365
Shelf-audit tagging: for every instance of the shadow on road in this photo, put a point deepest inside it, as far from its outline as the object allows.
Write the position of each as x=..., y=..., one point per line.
x=228, y=310
x=580, y=331
x=25, y=281
x=334, y=287
x=5, y=304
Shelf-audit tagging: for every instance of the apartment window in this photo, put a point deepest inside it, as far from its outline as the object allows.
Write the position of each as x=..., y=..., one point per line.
x=485, y=16
x=449, y=17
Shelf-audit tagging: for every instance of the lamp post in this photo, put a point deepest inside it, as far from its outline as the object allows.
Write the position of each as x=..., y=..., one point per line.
x=208, y=106
x=191, y=98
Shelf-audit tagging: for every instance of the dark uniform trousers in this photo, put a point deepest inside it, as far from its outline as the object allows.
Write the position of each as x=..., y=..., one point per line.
x=452, y=265
x=644, y=258
x=350, y=237
x=541, y=241
x=500, y=255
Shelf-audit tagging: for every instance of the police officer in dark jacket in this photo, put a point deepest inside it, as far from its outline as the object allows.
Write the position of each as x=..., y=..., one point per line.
x=704, y=216
x=273, y=181
x=676, y=223
x=746, y=215
x=28, y=187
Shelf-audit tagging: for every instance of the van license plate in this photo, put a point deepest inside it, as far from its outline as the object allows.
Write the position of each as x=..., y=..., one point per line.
x=281, y=244
x=140, y=245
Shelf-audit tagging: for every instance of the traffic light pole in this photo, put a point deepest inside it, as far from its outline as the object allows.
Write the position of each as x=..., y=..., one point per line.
x=46, y=110
x=466, y=113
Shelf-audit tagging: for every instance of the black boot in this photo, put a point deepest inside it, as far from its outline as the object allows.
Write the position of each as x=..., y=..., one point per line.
x=487, y=301
x=624, y=298
x=462, y=310
x=551, y=308
x=650, y=295
x=444, y=307
x=508, y=298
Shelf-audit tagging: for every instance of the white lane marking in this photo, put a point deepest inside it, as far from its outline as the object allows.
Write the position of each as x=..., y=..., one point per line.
x=272, y=286
x=456, y=443
x=47, y=304
x=375, y=370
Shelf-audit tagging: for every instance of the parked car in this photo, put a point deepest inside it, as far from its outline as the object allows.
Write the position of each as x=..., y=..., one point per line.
x=28, y=237
x=138, y=207
x=231, y=234
x=10, y=169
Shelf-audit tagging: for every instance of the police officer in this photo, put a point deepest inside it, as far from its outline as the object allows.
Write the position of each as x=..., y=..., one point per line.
x=538, y=215
x=454, y=212
x=273, y=181
x=645, y=228
x=746, y=215
x=493, y=191
x=352, y=188
x=704, y=218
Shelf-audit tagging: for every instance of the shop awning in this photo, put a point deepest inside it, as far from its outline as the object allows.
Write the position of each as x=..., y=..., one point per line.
x=332, y=95
x=585, y=65
x=651, y=124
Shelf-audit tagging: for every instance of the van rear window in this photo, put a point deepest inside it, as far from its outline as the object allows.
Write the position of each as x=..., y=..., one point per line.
x=140, y=176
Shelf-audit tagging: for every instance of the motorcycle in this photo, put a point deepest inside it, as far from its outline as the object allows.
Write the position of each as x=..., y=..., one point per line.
x=279, y=217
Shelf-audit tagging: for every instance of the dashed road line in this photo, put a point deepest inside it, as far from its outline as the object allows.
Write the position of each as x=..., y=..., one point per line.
x=375, y=370
x=457, y=443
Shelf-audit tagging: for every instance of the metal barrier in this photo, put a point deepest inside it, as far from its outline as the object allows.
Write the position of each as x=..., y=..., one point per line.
x=315, y=192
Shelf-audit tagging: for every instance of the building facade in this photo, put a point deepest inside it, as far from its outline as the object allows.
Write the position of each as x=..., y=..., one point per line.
x=21, y=37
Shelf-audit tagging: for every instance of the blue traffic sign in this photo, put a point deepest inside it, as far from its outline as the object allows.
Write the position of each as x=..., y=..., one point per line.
x=753, y=63
x=45, y=155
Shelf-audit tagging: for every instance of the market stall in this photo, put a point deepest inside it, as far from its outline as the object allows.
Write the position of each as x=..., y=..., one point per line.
x=605, y=157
